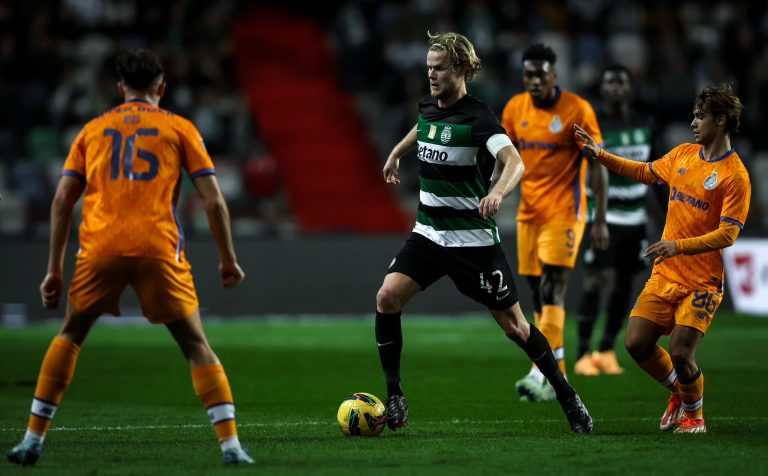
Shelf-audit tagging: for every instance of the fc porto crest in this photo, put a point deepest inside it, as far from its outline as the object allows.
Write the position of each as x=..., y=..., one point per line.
x=445, y=136
x=556, y=124
x=711, y=181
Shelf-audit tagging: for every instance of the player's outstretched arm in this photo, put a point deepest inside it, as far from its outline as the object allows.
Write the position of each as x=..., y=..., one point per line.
x=506, y=182
x=68, y=193
x=405, y=145
x=628, y=168
x=218, y=219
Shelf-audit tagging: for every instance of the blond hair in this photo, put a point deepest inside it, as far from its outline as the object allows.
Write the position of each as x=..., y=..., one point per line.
x=461, y=53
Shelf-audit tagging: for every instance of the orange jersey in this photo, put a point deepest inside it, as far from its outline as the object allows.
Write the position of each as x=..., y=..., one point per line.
x=130, y=160
x=702, y=194
x=553, y=185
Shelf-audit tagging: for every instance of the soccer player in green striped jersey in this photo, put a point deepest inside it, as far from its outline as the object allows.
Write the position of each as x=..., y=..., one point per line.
x=629, y=134
x=467, y=165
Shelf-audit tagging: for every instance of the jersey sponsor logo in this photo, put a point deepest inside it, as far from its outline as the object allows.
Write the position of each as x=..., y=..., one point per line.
x=677, y=196
x=681, y=171
x=556, y=124
x=524, y=124
x=711, y=181
x=445, y=136
x=432, y=154
x=526, y=145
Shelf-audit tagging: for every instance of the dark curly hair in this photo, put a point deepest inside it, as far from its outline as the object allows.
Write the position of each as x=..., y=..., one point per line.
x=539, y=51
x=139, y=69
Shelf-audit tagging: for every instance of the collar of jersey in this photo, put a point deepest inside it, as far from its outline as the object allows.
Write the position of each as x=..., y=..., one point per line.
x=553, y=101
x=701, y=154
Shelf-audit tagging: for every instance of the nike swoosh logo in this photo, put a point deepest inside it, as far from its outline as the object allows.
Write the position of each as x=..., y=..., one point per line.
x=385, y=343
x=499, y=298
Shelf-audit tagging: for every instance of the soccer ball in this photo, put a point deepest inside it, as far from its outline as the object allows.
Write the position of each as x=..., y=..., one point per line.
x=361, y=414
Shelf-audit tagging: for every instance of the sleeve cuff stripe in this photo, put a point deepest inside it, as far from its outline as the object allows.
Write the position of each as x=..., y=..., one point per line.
x=200, y=173
x=72, y=173
x=733, y=221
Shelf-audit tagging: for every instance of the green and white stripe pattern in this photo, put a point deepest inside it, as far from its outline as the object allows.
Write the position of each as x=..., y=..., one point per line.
x=626, y=197
x=452, y=181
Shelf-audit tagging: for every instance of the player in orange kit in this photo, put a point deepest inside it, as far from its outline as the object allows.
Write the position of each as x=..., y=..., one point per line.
x=708, y=205
x=128, y=162
x=552, y=214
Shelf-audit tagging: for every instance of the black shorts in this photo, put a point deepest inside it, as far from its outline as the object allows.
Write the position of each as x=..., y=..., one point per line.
x=480, y=272
x=625, y=252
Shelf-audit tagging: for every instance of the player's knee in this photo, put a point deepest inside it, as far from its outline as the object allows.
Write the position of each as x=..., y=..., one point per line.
x=388, y=300
x=639, y=349
x=682, y=358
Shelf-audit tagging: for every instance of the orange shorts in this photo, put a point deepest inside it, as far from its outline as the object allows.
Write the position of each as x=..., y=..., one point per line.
x=165, y=289
x=555, y=243
x=668, y=304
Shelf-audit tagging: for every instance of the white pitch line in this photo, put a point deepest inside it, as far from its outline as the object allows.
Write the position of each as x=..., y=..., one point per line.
x=332, y=423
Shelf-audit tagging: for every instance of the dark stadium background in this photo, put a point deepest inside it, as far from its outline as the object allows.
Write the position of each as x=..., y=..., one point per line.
x=300, y=104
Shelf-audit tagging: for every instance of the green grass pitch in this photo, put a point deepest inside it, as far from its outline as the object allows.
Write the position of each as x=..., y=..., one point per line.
x=131, y=408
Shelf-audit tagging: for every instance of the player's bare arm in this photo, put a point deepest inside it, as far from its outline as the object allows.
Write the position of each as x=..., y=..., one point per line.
x=506, y=182
x=218, y=220
x=68, y=193
x=407, y=144
x=599, y=184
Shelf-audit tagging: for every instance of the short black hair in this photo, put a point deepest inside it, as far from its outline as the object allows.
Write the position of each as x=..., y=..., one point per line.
x=139, y=69
x=616, y=68
x=539, y=51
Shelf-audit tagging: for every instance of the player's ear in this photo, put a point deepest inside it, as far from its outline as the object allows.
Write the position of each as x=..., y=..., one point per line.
x=121, y=88
x=160, y=89
x=721, y=120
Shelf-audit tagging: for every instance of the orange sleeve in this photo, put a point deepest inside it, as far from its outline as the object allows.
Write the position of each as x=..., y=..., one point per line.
x=75, y=164
x=589, y=122
x=723, y=237
x=736, y=200
x=196, y=160
x=639, y=171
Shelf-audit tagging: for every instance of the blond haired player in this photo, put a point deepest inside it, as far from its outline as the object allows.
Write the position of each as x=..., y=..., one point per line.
x=708, y=205
x=552, y=215
x=128, y=162
x=460, y=142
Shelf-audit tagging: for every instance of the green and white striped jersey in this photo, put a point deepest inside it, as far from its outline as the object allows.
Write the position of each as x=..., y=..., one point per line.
x=455, y=170
x=626, y=198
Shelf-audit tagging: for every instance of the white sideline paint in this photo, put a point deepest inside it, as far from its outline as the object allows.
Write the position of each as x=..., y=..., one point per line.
x=333, y=423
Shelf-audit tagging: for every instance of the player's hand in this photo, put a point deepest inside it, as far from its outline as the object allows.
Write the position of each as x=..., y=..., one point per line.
x=591, y=148
x=390, y=170
x=231, y=274
x=661, y=250
x=601, y=239
x=490, y=204
x=51, y=289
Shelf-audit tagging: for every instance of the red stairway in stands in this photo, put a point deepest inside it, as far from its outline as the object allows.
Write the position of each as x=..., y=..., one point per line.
x=329, y=167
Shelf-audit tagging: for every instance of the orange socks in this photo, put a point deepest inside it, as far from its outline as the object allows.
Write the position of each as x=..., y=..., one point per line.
x=551, y=325
x=659, y=366
x=55, y=375
x=692, y=394
x=212, y=386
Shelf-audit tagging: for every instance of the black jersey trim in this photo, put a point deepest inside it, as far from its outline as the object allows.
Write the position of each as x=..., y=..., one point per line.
x=448, y=212
x=451, y=173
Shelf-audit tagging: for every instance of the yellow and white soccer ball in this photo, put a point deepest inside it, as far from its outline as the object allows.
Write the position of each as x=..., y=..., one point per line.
x=361, y=414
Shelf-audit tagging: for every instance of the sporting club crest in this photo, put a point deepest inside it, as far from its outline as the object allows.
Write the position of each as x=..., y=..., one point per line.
x=445, y=136
x=711, y=181
x=556, y=124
